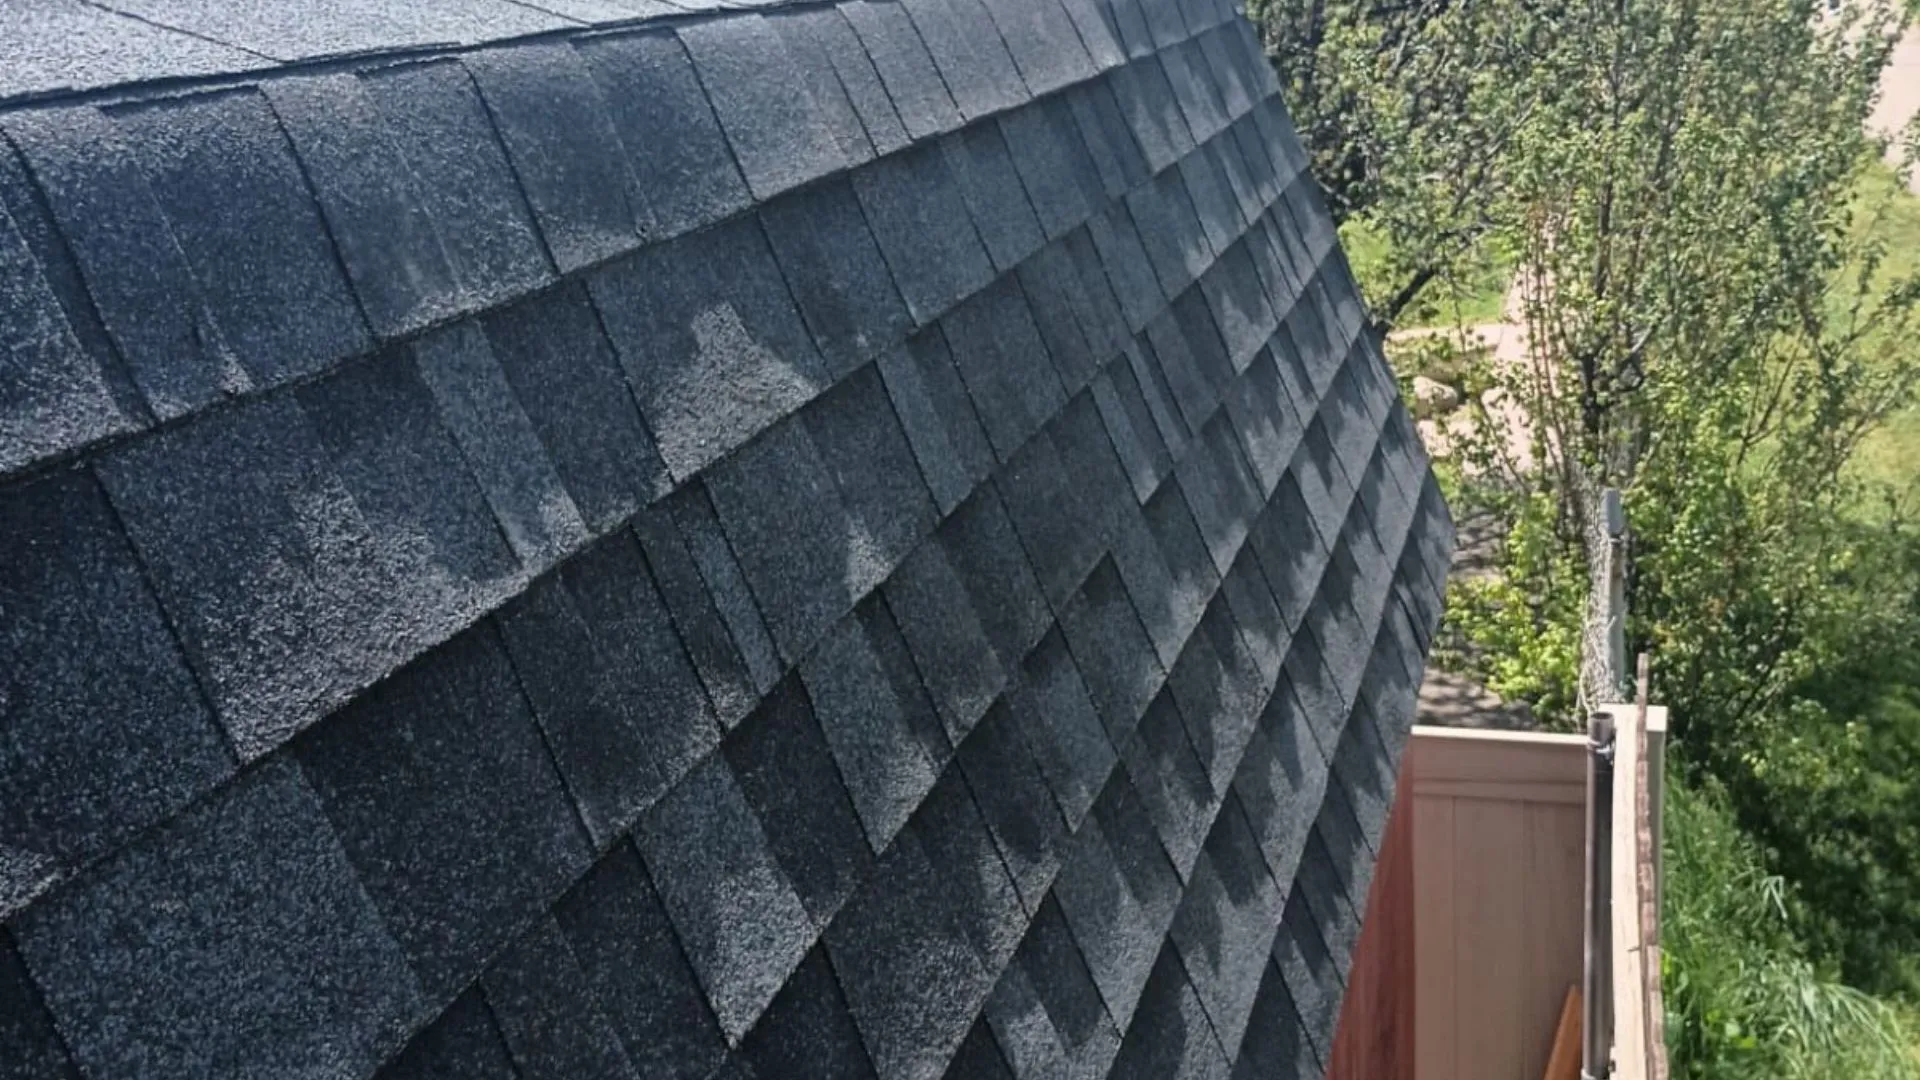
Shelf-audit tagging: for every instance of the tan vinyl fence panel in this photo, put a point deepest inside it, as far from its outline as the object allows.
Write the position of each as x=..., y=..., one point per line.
x=1498, y=871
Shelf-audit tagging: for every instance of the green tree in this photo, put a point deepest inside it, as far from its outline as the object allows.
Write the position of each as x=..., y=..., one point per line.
x=1708, y=329
x=1410, y=112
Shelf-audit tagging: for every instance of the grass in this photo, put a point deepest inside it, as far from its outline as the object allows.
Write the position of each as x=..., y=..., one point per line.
x=1468, y=299
x=1742, y=999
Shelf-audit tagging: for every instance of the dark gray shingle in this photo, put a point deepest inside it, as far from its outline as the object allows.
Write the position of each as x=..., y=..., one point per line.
x=1171, y=781
x=981, y=543
x=560, y=137
x=1146, y=101
x=241, y=209
x=1060, y=174
x=807, y=1031
x=915, y=207
x=949, y=827
x=381, y=433
x=448, y=806
x=838, y=277
x=779, y=134
x=1132, y=427
x=961, y=668
x=28, y=1042
x=1062, y=727
x=739, y=920
x=373, y=204
x=906, y=69
x=1001, y=357
x=973, y=61
x=1115, y=152
x=1027, y=1038
x=210, y=534
x=553, y=1025
x=632, y=963
x=1170, y=1038
x=783, y=515
x=1099, y=31
x=983, y=168
x=692, y=510
x=938, y=416
x=824, y=34
x=1129, y=269
x=1112, y=649
x=702, y=626
x=463, y=1041
x=686, y=175
x=1060, y=305
x=710, y=340
x=787, y=774
x=1170, y=229
x=1053, y=963
x=136, y=273
x=251, y=887
x=106, y=731
x=912, y=981
x=1046, y=48
x=882, y=757
x=1193, y=88
x=1019, y=807
x=563, y=371
x=500, y=444
x=442, y=131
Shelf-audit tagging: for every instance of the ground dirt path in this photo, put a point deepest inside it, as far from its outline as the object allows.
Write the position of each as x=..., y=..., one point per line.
x=1900, y=93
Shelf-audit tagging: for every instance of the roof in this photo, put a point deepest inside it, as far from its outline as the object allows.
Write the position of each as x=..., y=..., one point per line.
x=594, y=538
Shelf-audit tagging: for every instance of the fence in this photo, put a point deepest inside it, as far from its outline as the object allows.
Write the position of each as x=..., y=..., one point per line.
x=1498, y=878
x=1475, y=924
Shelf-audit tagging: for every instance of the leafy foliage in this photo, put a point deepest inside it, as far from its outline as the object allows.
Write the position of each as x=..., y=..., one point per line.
x=1519, y=630
x=1742, y=999
x=1718, y=286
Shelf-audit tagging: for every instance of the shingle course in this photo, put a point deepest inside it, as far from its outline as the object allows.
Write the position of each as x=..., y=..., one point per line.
x=553, y=1024
x=136, y=273
x=686, y=175
x=239, y=204
x=632, y=963
x=447, y=804
x=560, y=136
x=834, y=534
x=111, y=735
x=779, y=134
x=250, y=887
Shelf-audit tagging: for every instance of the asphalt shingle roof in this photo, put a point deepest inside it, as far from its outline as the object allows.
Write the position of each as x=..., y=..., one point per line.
x=622, y=538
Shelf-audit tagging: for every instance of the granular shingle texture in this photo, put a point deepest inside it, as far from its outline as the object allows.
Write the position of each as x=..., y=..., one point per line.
x=624, y=538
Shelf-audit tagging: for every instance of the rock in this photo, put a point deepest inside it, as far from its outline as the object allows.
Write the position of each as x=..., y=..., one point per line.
x=1432, y=397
